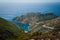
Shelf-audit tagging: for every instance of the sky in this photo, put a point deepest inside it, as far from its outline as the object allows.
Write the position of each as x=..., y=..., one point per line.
x=28, y=1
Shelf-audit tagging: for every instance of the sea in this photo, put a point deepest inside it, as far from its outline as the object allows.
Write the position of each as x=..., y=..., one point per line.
x=11, y=10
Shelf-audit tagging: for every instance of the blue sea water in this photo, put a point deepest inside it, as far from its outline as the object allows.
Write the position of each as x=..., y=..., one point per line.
x=11, y=10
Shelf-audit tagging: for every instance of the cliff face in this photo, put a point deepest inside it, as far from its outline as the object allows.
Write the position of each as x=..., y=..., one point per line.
x=39, y=22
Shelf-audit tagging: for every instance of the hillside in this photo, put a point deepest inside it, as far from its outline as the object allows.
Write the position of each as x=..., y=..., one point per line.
x=9, y=31
x=35, y=17
x=39, y=21
x=46, y=26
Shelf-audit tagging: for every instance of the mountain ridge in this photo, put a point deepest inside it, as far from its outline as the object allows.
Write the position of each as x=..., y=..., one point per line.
x=36, y=21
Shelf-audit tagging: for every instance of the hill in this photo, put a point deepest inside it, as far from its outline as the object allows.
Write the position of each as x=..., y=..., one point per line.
x=39, y=21
x=9, y=31
x=35, y=17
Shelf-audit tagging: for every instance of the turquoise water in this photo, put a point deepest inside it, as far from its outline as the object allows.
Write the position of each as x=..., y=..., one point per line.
x=21, y=25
